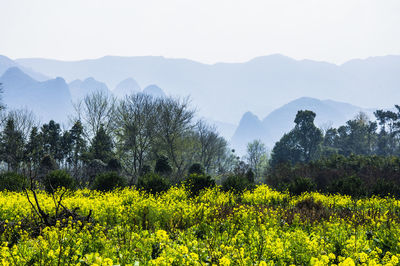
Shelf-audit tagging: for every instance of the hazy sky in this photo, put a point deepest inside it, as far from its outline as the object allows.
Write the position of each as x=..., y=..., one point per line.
x=205, y=30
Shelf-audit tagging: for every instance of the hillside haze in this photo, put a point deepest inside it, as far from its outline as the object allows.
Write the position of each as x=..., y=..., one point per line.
x=225, y=91
x=49, y=99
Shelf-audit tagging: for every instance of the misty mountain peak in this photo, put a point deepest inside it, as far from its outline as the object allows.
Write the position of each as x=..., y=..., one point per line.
x=154, y=91
x=126, y=87
x=16, y=77
x=80, y=89
x=249, y=117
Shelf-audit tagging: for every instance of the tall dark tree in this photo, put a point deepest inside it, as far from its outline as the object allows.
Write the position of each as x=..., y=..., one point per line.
x=78, y=144
x=102, y=145
x=34, y=151
x=301, y=144
x=12, y=146
x=51, y=134
x=387, y=140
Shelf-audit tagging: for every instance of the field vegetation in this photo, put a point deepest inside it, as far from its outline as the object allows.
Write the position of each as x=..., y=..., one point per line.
x=254, y=227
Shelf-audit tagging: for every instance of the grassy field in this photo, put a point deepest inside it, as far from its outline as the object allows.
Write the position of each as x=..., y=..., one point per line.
x=262, y=227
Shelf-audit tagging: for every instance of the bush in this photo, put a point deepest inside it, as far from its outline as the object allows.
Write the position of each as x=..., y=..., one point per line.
x=57, y=179
x=162, y=166
x=108, y=181
x=197, y=182
x=301, y=184
x=114, y=165
x=384, y=188
x=237, y=183
x=349, y=185
x=196, y=168
x=153, y=183
x=12, y=181
x=355, y=175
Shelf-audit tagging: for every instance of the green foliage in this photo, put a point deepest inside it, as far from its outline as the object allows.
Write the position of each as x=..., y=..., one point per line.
x=108, y=181
x=162, y=166
x=301, y=184
x=197, y=182
x=196, y=168
x=57, y=179
x=114, y=165
x=13, y=182
x=51, y=136
x=236, y=183
x=153, y=183
x=349, y=185
x=356, y=175
x=101, y=148
x=12, y=145
x=301, y=144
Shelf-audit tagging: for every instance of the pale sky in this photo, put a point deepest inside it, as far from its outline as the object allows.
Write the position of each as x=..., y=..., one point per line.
x=208, y=31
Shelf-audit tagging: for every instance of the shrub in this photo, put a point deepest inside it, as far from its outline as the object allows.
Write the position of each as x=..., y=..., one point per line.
x=12, y=181
x=197, y=182
x=153, y=183
x=349, y=185
x=108, y=181
x=114, y=165
x=236, y=183
x=196, y=168
x=57, y=179
x=384, y=188
x=162, y=166
x=301, y=184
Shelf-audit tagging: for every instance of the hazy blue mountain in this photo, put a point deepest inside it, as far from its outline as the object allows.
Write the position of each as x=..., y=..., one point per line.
x=273, y=126
x=154, y=91
x=48, y=99
x=6, y=63
x=226, y=130
x=224, y=91
x=126, y=87
x=80, y=89
x=250, y=128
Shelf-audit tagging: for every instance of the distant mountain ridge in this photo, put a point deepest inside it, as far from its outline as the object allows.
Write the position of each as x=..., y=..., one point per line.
x=6, y=63
x=227, y=90
x=80, y=89
x=49, y=99
x=126, y=87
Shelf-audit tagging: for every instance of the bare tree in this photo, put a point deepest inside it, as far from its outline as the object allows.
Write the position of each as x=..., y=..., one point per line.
x=212, y=146
x=256, y=157
x=24, y=121
x=94, y=110
x=136, y=120
x=175, y=122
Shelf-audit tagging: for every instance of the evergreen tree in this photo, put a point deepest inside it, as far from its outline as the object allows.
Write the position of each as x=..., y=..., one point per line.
x=34, y=150
x=51, y=135
x=78, y=144
x=12, y=146
x=102, y=146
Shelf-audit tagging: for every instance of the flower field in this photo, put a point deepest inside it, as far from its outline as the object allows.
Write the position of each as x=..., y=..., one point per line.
x=260, y=227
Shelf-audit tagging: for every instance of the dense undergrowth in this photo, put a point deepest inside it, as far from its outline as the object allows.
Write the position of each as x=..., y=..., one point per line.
x=259, y=227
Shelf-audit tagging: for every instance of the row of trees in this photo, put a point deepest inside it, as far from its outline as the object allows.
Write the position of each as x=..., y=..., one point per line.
x=129, y=136
x=359, y=136
x=360, y=158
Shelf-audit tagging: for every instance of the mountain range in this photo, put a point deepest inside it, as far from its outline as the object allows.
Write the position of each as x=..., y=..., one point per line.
x=225, y=91
x=274, y=87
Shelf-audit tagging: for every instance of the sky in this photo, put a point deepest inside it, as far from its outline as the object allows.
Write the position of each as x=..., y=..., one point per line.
x=207, y=31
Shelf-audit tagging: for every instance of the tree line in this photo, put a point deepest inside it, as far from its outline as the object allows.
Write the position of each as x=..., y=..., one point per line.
x=131, y=137
x=360, y=158
x=155, y=142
